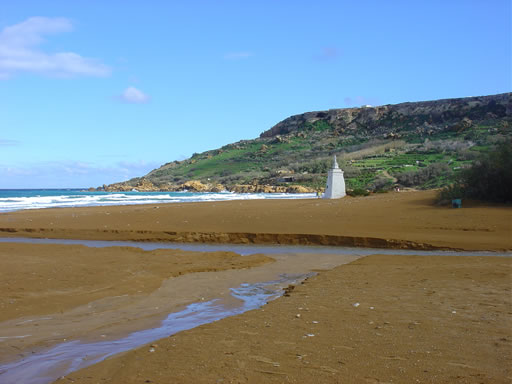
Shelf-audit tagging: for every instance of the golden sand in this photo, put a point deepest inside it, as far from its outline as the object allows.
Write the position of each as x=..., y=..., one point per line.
x=419, y=319
x=392, y=220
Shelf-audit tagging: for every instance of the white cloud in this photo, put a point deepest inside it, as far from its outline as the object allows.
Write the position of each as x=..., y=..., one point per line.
x=134, y=95
x=19, y=51
x=238, y=55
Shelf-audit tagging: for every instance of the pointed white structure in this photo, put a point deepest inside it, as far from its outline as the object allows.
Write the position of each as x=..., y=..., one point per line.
x=335, y=188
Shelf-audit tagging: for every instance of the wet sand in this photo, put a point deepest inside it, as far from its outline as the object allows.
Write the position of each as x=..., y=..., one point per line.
x=49, y=278
x=391, y=220
x=54, y=293
x=412, y=332
x=380, y=319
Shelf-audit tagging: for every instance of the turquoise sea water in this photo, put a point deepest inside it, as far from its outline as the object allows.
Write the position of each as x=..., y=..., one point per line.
x=16, y=199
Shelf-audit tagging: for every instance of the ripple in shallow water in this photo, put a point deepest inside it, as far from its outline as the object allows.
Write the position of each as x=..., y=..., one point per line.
x=48, y=365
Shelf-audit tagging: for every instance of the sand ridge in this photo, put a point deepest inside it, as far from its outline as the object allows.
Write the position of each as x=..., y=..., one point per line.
x=391, y=220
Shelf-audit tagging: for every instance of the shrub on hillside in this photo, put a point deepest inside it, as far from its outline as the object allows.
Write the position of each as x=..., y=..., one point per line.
x=466, y=154
x=382, y=184
x=489, y=179
x=358, y=192
x=314, y=166
x=424, y=175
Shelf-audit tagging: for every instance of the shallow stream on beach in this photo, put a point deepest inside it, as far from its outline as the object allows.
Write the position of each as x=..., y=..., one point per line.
x=251, y=249
x=65, y=342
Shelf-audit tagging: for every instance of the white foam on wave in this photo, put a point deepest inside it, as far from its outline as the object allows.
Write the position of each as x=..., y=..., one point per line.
x=8, y=204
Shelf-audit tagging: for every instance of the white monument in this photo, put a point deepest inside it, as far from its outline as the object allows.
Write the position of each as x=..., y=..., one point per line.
x=335, y=188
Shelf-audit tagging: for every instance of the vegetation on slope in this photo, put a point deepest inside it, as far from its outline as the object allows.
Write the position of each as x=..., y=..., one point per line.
x=488, y=179
x=422, y=145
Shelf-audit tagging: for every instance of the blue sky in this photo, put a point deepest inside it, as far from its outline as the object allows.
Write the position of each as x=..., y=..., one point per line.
x=95, y=92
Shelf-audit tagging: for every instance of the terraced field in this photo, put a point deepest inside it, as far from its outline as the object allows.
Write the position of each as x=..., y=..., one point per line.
x=422, y=145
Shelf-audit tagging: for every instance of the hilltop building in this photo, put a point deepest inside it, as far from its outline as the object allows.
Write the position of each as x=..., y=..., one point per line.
x=335, y=188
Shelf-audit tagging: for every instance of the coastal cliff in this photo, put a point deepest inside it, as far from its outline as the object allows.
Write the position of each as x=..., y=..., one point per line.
x=415, y=144
x=422, y=118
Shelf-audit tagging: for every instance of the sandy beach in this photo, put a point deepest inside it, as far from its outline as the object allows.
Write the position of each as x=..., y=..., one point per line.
x=391, y=220
x=380, y=318
x=419, y=319
x=253, y=192
x=43, y=276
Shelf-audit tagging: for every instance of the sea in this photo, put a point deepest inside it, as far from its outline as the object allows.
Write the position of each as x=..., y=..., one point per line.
x=16, y=199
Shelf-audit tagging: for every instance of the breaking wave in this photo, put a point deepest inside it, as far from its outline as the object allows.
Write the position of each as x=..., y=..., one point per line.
x=13, y=200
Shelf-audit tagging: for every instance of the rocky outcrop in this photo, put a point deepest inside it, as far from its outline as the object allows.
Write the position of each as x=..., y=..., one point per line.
x=389, y=119
x=197, y=186
x=299, y=189
x=250, y=188
x=144, y=185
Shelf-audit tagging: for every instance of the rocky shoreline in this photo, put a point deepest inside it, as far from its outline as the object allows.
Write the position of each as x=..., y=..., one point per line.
x=145, y=185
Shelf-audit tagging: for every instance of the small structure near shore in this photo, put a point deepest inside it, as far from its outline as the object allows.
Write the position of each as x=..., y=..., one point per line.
x=335, y=188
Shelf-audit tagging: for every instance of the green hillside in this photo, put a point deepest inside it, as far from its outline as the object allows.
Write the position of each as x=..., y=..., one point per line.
x=421, y=145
